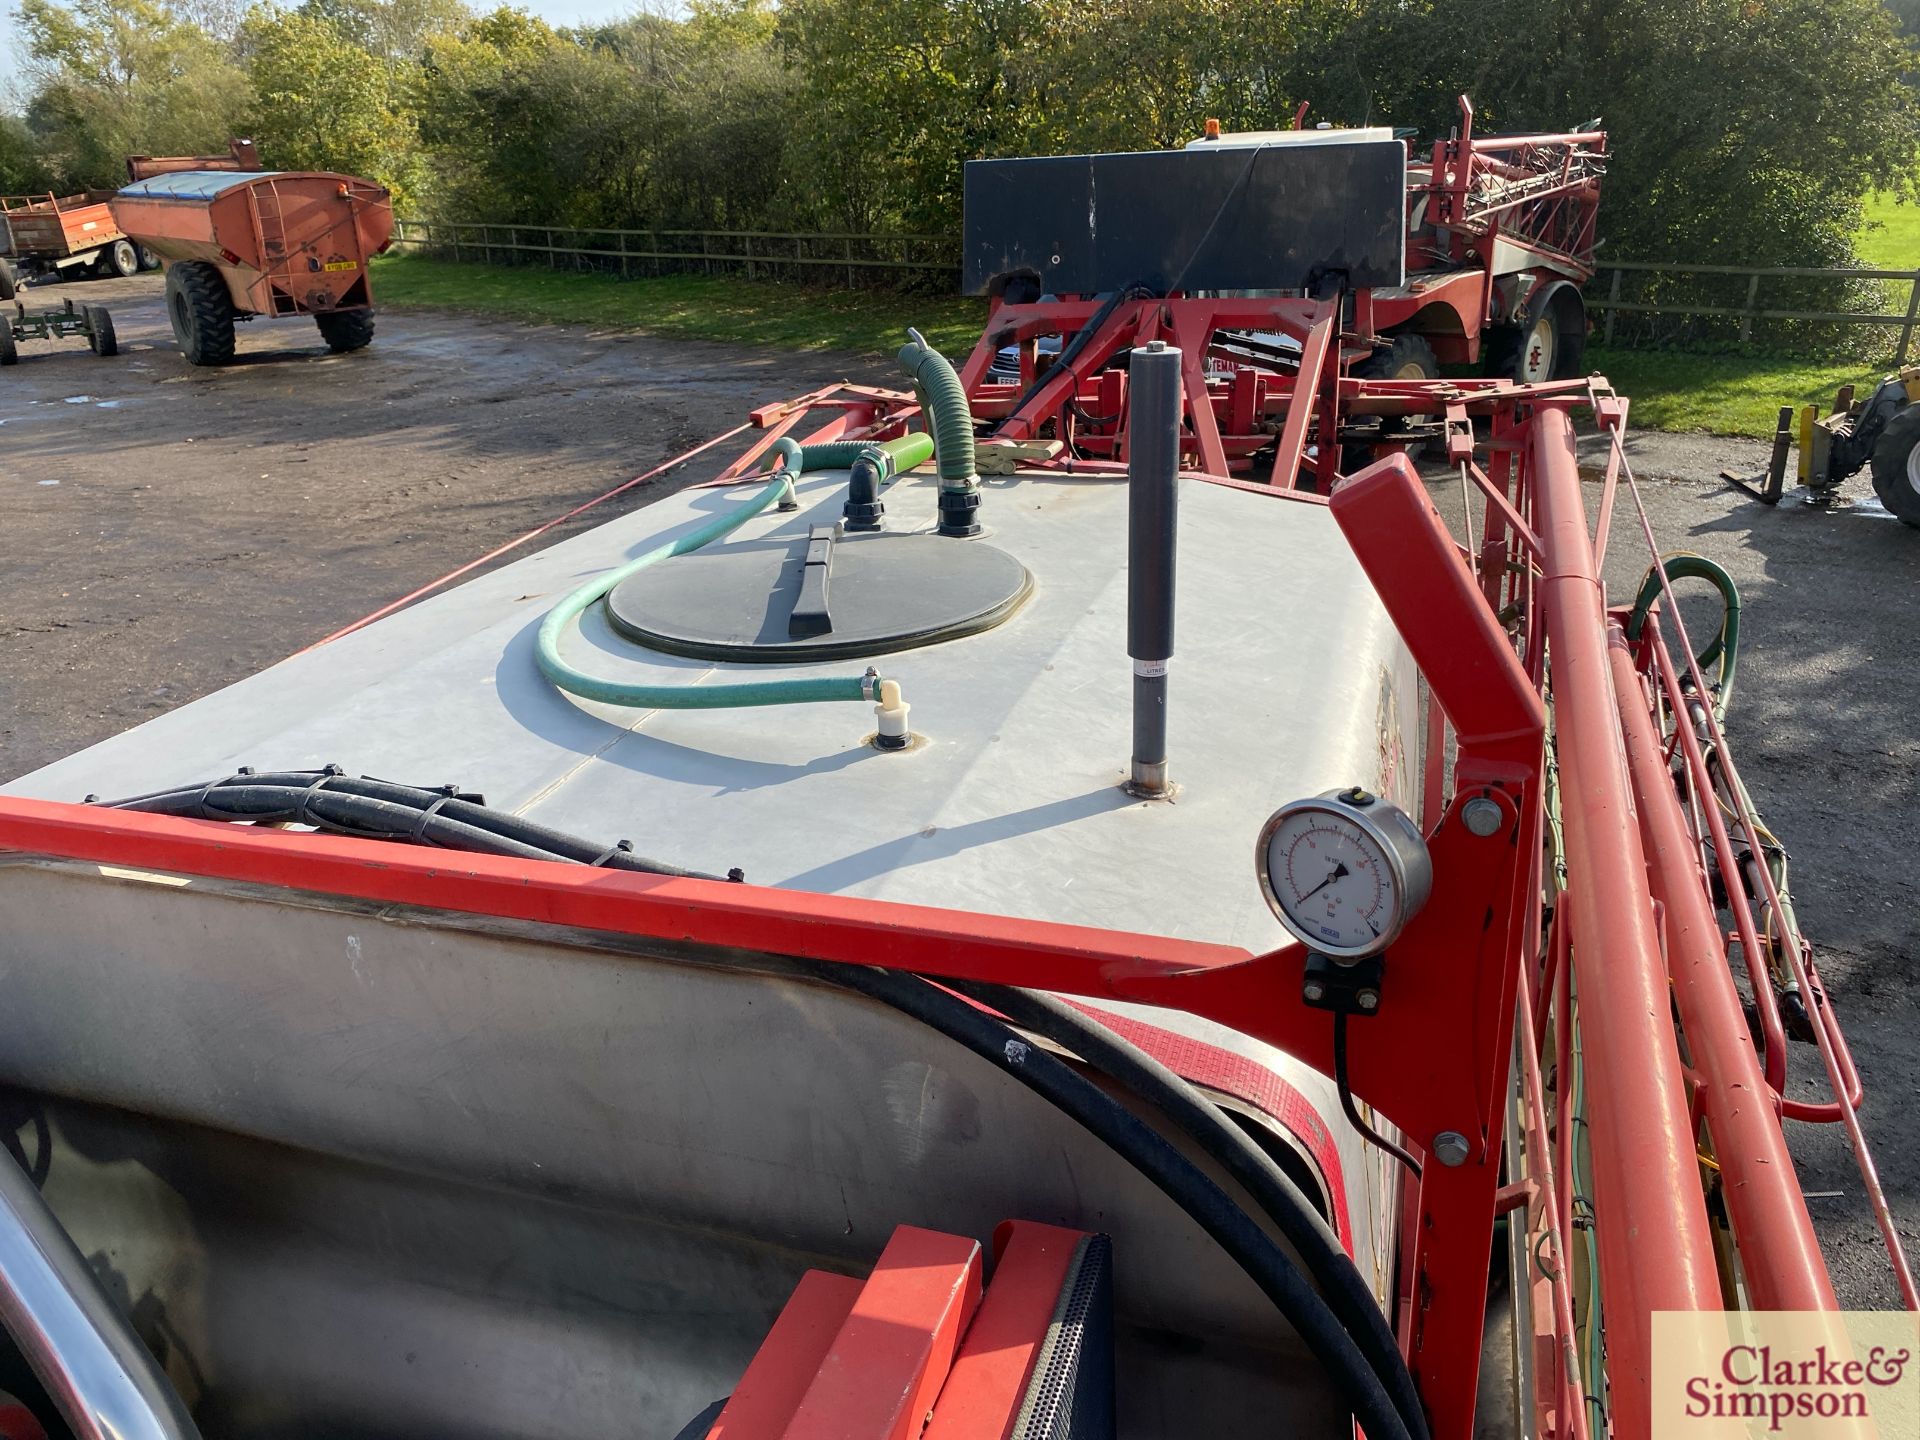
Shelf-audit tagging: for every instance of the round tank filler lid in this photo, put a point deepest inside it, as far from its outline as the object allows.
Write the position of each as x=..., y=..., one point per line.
x=819, y=596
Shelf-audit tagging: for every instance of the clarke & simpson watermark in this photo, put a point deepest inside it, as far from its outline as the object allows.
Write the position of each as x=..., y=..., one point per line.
x=1790, y=1374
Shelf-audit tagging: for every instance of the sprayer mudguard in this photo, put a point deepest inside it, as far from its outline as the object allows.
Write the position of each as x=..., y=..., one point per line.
x=544, y=1101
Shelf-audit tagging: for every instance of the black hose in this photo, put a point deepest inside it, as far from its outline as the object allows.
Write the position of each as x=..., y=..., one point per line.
x=1250, y=1247
x=1070, y=351
x=342, y=804
x=1371, y=1135
x=1239, y=1155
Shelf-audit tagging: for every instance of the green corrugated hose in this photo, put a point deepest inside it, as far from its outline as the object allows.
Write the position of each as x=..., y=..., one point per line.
x=685, y=697
x=944, y=401
x=1724, y=648
x=905, y=451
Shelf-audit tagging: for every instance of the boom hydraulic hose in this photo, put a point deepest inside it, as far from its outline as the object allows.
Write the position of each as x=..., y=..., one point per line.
x=1236, y=1152
x=1359, y=1382
x=334, y=801
x=734, y=696
x=1723, y=651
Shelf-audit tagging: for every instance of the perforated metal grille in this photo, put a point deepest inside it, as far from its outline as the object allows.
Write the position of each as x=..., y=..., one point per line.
x=1070, y=1395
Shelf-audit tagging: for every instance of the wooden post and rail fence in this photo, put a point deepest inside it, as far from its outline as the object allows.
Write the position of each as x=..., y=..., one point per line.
x=848, y=258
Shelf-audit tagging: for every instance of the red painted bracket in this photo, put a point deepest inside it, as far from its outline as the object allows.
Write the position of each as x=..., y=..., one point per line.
x=897, y=1345
x=1403, y=545
x=788, y=1359
x=988, y=1384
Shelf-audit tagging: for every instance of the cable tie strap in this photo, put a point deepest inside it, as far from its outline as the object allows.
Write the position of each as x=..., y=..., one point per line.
x=418, y=835
x=300, y=815
x=200, y=800
x=619, y=847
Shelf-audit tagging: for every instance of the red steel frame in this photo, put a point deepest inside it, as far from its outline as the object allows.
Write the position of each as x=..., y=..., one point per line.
x=1497, y=625
x=1239, y=416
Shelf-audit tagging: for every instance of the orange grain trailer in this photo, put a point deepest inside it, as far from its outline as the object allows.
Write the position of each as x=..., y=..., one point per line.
x=238, y=244
x=75, y=234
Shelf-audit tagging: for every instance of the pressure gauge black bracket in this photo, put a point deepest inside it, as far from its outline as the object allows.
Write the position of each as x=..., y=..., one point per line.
x=1345, y=987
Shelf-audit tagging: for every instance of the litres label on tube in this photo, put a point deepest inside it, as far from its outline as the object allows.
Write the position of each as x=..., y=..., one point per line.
x=1150, y=669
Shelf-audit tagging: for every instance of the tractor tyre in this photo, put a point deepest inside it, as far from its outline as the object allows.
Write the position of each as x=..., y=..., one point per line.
x=9, y=352
x=1896, y=465
x=1409, y=357
x=345, y=330
x=122, y=259
x=201, y=313
x=1549, y=343
x=9, y=285
x=100, y=337
x=1406, y=357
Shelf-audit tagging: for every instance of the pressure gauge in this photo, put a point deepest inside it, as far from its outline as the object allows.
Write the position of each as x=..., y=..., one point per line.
x=1344, y=871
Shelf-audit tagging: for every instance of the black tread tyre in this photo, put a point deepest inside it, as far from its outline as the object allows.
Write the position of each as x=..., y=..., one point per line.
x=100, y=337
x=9, y=352
x=1406, y=357
x=1549, y=343
x=345, y=330
x=9, y=283
x=201, y=313
x=1896, y=465
x=1409, y=357
x=123, y=259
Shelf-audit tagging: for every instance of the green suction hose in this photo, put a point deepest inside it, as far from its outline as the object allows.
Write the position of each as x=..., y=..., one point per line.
x=1724, y=649
x=944, y=401
x=685, y=697
x=904, y=451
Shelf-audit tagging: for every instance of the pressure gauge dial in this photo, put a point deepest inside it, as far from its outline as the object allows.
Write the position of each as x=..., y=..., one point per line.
x=1344, y=871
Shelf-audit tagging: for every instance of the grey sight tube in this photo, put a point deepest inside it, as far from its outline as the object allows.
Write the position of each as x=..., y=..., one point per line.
x=1153, y=468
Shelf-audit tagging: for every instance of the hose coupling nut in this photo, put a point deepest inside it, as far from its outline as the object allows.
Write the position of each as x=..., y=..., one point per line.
x=960, y=512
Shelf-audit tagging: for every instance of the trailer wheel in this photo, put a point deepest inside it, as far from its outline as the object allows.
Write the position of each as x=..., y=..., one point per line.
x=148, y=260
x=1896, y=465
x=9, y=352
x=100, y=337
x=122, y=259
x=9, y=284
x=345, y=330
x=201, y=313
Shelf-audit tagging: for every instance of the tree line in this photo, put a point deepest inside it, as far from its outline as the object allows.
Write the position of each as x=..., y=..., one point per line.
x=1742, y=131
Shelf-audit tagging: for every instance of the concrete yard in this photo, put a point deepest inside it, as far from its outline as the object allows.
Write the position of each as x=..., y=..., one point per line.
x=171, y=530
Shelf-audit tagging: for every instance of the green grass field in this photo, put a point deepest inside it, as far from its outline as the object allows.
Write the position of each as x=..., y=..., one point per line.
x=1671, y=390
x=1721, y=394
x=691, y=307
x=1890, y=239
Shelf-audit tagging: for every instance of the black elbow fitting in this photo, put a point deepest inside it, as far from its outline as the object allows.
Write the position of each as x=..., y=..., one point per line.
x=863, y=510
